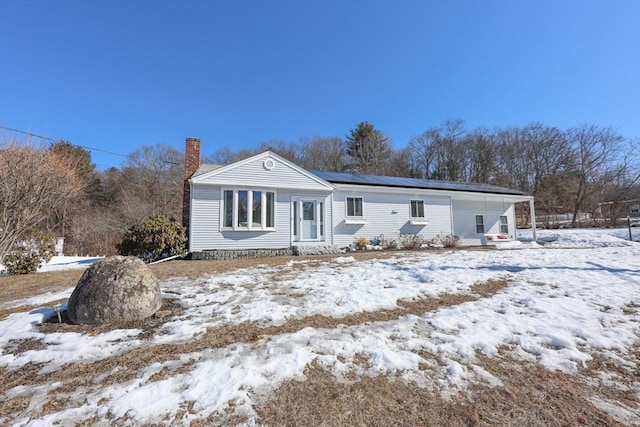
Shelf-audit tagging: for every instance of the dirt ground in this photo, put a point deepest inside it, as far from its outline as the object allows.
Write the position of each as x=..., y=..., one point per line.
x=529, y=395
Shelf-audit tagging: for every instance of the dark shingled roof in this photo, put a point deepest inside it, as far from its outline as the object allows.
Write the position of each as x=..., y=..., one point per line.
x=429, y=184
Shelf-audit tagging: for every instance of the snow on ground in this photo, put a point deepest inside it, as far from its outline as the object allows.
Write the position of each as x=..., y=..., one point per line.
x=566, y=299
x=58, y=263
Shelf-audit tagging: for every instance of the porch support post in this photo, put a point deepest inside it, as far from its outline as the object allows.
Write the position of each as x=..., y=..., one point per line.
x=532, y=212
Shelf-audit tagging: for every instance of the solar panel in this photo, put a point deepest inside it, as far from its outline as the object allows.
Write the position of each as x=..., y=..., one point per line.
x=393, y=181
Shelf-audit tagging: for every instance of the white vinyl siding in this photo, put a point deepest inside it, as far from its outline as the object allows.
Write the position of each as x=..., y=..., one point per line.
x=254, y=173
x=388, y=215
x=205, y=232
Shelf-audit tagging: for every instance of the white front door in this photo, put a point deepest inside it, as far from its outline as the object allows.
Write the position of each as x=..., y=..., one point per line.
x=309, y=220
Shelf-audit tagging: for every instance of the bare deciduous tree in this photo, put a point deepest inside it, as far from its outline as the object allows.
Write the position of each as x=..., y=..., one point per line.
x=595, y=150
x=323, y=154
x=153, y=182
x=33, y=182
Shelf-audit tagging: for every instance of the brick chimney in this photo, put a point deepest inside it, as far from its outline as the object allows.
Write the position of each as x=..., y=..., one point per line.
x=191, y=164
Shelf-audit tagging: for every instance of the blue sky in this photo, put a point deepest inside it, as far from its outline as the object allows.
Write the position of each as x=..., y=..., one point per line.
x=117, y=75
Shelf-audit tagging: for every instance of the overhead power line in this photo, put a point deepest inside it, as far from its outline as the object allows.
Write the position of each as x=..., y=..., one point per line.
x=77, y=145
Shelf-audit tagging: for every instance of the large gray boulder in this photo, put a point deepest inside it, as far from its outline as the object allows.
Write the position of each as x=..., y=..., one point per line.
x=116, y=289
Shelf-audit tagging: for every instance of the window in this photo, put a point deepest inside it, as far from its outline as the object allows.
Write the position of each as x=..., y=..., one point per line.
x=271, y=212
x=480, y=224
x=248, y=209
x=295, y=218
x=354, y=206
x=504, y=225
x=634, y=209
x=228, y=209
x=257, y=209
x=417, y=209
x=243, y=213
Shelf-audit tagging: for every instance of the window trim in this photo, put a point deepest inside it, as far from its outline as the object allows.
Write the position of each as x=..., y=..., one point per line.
x=250, y=210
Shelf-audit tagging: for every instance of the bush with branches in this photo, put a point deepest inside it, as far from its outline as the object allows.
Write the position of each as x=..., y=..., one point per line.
x=410, y=241
x=155, y=238
x=27, y=255
x=447, y=240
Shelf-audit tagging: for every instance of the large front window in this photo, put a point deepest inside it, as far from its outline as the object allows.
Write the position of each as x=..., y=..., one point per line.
x=248, y=209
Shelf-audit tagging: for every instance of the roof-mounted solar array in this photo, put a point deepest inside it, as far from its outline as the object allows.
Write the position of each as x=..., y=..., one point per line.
x=427, y=184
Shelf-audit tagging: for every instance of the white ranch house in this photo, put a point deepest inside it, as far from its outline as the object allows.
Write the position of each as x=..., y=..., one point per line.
x=267, y=202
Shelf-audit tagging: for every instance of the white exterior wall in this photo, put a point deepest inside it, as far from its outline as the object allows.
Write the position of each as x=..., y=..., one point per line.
x=205, y=227
x=378, y=208
x=205, y=230
x=264, y=172
x=254, y=173
x=464, y=219
x=386, y=210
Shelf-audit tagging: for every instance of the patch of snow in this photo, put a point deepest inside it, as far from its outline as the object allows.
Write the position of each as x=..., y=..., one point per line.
x=58, y=263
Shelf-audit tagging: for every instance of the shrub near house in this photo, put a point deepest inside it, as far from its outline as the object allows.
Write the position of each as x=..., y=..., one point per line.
x=155, y=238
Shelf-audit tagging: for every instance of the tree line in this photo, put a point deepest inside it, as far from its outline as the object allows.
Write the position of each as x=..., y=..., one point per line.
x=57, y=189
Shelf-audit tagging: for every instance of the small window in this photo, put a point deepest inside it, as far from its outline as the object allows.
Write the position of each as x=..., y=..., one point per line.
x=271, y=209
x=228, y=208
x=634, y=209
x=480, y=224
x=354, y=206
x=256, y=217
x=295, y=216
x=504, y=225
x=243, y=208
x=417, y=209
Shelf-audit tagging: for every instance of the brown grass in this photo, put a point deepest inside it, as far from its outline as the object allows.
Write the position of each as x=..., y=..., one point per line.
x=530, y=396
x=83, y=375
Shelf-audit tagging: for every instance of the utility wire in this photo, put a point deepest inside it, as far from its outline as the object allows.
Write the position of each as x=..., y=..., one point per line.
x=77, y=145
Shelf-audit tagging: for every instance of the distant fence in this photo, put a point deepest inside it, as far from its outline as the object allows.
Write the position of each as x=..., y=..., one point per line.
x=562, y=217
